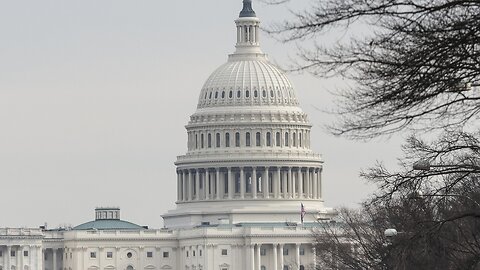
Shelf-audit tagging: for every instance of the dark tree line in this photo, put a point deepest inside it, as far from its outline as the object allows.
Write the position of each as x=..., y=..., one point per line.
x=416, y=68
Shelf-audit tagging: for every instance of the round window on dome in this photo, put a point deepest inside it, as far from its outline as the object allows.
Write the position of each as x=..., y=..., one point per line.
x=129, y=255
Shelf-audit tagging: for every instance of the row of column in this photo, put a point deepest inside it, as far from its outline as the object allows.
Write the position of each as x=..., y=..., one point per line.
x=249, y=182
x=255, y=257
x=21, y=256
x=247, y=34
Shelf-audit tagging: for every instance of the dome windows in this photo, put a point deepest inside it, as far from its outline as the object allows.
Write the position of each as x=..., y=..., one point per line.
x=227, y=139
x=269, y=139
x=247, y=93
x=223, y=94
x=239, y=94
x=271, y=93
x=230, y=94
x=277, y=139
x=258, y=139
x=247, y=139
x=216, y=94
x=255, y=93
x=237, y=139
x=210, y=96
x=217, y=140
x=264, y=93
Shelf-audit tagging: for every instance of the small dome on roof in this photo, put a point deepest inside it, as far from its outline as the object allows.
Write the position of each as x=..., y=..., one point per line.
x=108, y=218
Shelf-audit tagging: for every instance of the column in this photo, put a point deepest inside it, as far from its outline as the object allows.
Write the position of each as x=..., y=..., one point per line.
x=30, y=258
x=266, y=194
x=284, y=184
x=19, y=257
x=314, y=257
x=254, y=182
x=54, y=258
x=179, y=187
x=297, y=256
x=275, y=258
x=206, y=184
x=231, y=185
x=252, y=256
x=39, y=257
x=312, y=179
x=217, y=183
x=307, y=183
x=320, y=183
x=280, y=250
x=300, y=182
x=290, y=183
x=8, y=264
x=197, y=185
x=184, y=186
x=242, y=183
x=276, y=184
x=315, y=183
x=259, y=257
x=190, y=185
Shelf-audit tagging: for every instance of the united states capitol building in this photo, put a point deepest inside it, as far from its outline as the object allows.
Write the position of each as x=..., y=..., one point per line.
x=240, y=186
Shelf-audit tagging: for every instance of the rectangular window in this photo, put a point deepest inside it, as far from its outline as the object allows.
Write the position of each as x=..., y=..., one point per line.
x=285, y=251
x=200, y=252
x=149, y=254
x=166, y=254
x=187, y=254
x=109, y=254
x=224, y=252
x=93, y=255
x=201, y=140
x=25, y=253
x=302, y=251
x=1, y=253
x=194, y=253
x=263, y=252
x=12, y=253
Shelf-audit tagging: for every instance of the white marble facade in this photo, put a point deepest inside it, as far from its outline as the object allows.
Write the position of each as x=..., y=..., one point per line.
x=247, y=169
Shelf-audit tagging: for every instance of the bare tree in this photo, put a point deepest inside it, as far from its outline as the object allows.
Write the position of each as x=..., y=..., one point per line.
x=413, y=69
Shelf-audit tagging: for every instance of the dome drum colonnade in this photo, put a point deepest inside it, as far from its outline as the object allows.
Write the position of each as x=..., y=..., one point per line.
x=222, y=183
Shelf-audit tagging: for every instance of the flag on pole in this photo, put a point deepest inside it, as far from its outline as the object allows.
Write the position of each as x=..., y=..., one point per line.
x=302, y=212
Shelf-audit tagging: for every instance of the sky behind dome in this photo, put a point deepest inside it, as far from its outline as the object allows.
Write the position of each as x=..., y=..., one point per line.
x=94, y=97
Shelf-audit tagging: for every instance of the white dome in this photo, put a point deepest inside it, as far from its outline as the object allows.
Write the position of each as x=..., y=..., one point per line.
x=250, y=81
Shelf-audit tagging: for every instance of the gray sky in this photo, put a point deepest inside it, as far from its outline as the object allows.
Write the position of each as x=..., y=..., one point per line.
x=94, y=96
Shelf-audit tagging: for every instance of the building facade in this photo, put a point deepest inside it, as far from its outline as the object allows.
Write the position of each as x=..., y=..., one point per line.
x=241, y=185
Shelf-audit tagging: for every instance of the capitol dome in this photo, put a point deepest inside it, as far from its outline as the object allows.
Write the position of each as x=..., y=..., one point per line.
x=248, y=153
x=247, y=82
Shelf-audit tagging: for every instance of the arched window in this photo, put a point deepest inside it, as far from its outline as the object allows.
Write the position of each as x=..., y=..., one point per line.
x=209, y=140
x=230, y=94
x=255, y=94
x=217, y=140
x=277, y=139
x=210, y=96
x=285, y=267
x=216, y=94
x=129, y=267
x=202, y=140
x=227, y=139
x=286, y=138
x=302, y=267
x=237, y=139
x=263, y=267
x=264, y=93
x=300, y=139
x=239, y=94
x=294, y=138
x=196, y=141
x=247, y=94
x=269, y=139
x=271, y=93
x=206, y=93
x=247, y=139
x=223, y=94
x=257, y=139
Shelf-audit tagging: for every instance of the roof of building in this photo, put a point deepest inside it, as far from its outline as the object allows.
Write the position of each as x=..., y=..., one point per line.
x=108, y=224
x=247, y=10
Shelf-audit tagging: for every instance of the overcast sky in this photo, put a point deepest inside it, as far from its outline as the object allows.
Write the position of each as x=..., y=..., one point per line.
x=94, y=96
